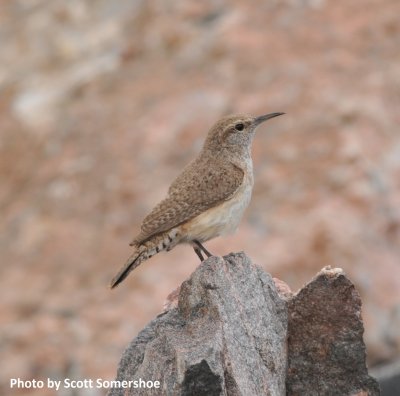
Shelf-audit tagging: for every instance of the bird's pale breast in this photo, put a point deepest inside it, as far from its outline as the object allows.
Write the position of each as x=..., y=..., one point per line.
x=222, y=219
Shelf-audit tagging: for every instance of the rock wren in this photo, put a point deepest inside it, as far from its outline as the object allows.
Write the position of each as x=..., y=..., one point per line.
x=207, y=199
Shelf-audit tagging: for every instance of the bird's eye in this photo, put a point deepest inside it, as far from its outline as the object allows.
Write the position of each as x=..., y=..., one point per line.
x=239, y=127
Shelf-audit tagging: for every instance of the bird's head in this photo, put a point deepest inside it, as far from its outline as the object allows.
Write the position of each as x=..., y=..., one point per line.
x=235, y=131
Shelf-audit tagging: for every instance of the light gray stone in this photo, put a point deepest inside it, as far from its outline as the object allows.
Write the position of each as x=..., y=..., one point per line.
x=226, y=337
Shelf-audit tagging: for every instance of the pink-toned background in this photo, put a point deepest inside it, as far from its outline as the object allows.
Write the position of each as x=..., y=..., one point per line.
x=103, y=102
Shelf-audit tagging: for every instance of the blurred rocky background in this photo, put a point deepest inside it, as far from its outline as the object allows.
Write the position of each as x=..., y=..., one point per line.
x=103, y=102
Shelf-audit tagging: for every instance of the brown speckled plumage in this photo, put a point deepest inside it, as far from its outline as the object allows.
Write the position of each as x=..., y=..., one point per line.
x=190, y=195
x=207, y=199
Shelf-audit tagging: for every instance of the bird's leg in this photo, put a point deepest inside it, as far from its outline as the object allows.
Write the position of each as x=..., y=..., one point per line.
x=202, y=248
x=198, y=252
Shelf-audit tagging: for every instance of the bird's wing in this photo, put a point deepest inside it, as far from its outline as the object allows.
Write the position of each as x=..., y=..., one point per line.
x=201, y=186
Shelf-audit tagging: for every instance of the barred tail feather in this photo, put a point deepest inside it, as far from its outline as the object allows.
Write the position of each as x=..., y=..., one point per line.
x=134, y=261
x=158, y=243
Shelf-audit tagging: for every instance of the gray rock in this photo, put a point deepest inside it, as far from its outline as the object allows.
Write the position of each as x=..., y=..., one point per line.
x=226, y=337
x=388, y=376
x=230, y=334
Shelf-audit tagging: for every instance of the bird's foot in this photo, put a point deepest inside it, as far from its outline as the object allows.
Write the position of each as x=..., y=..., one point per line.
x=199, y=248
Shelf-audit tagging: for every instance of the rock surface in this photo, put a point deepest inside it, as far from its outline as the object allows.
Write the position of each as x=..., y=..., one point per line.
x=326, y=352
x=233, y=333
x=215, y=342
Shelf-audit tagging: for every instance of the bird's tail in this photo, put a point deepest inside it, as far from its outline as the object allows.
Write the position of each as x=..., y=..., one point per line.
x=134, y=261
x=164, y=241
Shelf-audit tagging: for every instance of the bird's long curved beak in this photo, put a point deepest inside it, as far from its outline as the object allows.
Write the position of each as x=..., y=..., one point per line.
x=260, y=119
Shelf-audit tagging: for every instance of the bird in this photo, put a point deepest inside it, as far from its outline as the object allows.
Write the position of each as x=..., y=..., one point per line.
x=207, y=199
